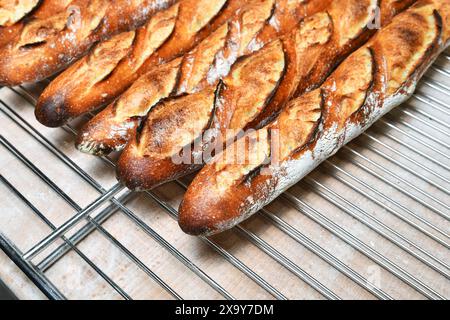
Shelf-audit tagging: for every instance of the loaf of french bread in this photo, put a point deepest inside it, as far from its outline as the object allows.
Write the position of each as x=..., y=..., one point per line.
x=258, y=86
x=112, y=66
x=376, y=78
x=246, y=31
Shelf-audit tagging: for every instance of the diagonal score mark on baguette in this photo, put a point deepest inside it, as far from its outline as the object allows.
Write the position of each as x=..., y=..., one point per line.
x=249, y=87
x=163, y=136
x=252, y=20
x=42, y=10
x=250, y=97
x=196, y=63
x=166, y=36
x=39, y=32
x=13, y=11
x=240, y=30
x=170, y=122
x=320, y=44
x=46, y=45
x=97, y=136
x=376, y=78
x=231, y=170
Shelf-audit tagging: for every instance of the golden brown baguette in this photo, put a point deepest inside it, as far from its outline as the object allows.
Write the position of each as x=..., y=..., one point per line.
x=111, y=67
x=42, y=9
x=373, y=80
x=45, y=46
x=327, y=40
x=111, y=128
x=252, y=94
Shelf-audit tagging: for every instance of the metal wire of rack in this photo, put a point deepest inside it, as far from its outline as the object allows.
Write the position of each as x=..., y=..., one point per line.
x=371, y=222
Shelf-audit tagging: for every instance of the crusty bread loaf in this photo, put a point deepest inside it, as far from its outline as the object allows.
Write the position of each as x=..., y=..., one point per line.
x=112, y=127
x=41, y=10
x=258, y=86
x=111, y=67
x=378, y=77
x=45, y=46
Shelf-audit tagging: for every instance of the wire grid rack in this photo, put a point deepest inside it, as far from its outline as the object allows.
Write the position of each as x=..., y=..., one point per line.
x=370, y=223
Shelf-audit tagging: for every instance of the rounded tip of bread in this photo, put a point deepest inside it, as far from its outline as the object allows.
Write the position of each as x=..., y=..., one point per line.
x=206, y=212
x=203, y=214
x=135, y=173
x=51, y=113
x=192, y=223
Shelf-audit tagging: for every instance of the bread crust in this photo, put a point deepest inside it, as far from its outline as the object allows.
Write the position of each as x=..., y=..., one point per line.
x=47, y=45
x=372, y=81
x=13, y=12
x=259, y=85
x=166, y=36
x=112, y=128
x=43, y=9
x=199, y=68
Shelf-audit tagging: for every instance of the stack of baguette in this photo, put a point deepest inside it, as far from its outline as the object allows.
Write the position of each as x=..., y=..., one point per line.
x=112, y=66
x=249, y=28
x=251, y=94
x=312, y=127
x=254, y=93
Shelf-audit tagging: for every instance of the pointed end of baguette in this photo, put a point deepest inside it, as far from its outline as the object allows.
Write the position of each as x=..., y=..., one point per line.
x=192, y=219
x=95, y=147
x=139, y=173
x=132, y=171
x=205, y=211
x=51, y=112
x=104, y=134
x=193, y=227
x=206, y=214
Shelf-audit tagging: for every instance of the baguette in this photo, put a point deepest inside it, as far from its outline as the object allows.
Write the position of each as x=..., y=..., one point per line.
x=45, y=46
x=111, y=128
x=376, y=78
x=41, y=10
x=88, y=85
x=252, y=94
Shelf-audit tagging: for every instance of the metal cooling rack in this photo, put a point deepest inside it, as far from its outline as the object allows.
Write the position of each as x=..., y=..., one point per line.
x=371, y=222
